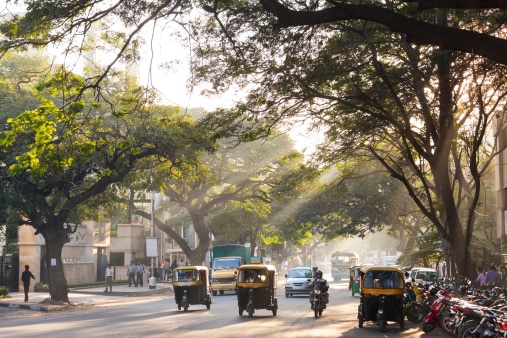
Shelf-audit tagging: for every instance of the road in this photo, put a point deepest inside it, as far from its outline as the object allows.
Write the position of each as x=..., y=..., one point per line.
x=157, y=316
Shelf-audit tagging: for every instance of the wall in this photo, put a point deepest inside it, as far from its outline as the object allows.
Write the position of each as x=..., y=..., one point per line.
x=79, y=273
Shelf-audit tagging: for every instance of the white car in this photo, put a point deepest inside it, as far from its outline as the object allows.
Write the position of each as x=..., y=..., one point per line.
x=425, y=275
x=297, y=281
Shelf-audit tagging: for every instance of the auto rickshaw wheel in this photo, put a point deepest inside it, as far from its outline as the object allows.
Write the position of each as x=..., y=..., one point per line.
x=382, y=325
x=402, y=323
x=222, y=292
x=240, y=311
x=250, y=310
x=208, y=303
x=185, y=307
x=274, y=311
x=360, y=322
x=179, y=306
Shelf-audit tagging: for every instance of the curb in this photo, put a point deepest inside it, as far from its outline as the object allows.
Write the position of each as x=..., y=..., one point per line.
x=59, y=307
x=149, y=292
x=33, y=307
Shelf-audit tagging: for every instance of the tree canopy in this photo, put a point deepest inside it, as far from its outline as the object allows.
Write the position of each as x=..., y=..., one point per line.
x=67, y=151
x=381, y=79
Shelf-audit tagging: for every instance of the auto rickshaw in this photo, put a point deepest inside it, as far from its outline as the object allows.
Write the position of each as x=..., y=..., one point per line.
x=191, y=286
x=382, y=289
x=355, y=279
x=256, y=288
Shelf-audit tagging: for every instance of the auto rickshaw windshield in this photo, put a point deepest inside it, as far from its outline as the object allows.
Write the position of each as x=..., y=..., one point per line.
x=185, y=275
x=379, y=279
x=256, y=276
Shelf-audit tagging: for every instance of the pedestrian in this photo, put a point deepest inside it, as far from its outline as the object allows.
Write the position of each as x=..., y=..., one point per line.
x=181, y=263
x=174, y=265
x=131, y=273
x=25, y=278
x=140, y=273
x=167, y=270
x=493, y=278
x=109, y=278
x=481, y=277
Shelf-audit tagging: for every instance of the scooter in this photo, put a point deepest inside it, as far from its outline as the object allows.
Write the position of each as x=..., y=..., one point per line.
x=413, y=309
x=441, y=314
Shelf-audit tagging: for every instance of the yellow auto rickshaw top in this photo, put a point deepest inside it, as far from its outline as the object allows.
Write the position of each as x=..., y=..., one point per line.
x=189, y=275
x=256, y=275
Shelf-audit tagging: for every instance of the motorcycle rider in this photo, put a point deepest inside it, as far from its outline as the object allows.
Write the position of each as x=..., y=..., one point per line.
x=318, y=278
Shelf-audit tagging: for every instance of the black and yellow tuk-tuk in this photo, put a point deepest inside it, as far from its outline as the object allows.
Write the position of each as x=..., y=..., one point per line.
x=355, y=279
x=191, y=286
x=256, y=288
x=382, y=289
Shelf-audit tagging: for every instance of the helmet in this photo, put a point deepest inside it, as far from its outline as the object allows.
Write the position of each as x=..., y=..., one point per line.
x=433, y=290
x=318, y=274
x=408, y=285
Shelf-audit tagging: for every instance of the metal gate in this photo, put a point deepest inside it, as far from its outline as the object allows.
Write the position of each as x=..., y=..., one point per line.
x=101, y=267
x=9, y=272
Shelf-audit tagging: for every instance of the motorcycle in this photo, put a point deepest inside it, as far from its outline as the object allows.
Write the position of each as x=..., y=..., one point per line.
x=468, y=317
x=441, y=314
x=413, y=309
x=319, y=298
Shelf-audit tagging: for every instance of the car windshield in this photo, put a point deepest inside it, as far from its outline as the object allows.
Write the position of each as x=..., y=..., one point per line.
x=426, y=275
x=226, y=264
x=300, y=273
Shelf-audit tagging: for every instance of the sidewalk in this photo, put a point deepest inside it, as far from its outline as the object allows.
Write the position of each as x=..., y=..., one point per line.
x=39, y=301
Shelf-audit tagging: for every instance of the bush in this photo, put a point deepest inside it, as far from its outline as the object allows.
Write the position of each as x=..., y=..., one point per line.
x=41, y=286
x=4, y=292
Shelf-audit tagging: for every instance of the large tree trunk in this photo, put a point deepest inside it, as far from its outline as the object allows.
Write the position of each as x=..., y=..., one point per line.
x=56, y=238
x=450, y=227
x=198, y=255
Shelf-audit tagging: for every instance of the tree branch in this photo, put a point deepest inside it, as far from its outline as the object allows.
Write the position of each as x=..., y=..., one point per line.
x=418, y=32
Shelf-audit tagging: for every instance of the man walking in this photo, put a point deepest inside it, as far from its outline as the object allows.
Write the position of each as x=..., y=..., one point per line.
x=131, y=273
x=140, y=273
x=167, y=270
x=25, y=278
x=109, y=278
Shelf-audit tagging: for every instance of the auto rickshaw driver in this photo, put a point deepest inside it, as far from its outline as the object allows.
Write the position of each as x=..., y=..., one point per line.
x=255, y=277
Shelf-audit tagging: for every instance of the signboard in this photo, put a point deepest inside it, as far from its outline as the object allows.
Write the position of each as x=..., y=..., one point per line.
x=152, y=247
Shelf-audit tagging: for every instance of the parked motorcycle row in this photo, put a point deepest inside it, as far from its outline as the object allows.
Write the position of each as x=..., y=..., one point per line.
x=471, y=312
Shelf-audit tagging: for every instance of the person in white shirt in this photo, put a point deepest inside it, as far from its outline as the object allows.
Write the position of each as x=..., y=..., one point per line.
x=109, y=278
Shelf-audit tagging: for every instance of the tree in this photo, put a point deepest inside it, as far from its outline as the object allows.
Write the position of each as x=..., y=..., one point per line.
x=56, y=158
x=259, y=56
x=241, y=223
x=242, y=175
x=422, y=112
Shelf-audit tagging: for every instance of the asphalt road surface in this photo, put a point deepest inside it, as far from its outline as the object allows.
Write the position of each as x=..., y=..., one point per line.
x=158, y=316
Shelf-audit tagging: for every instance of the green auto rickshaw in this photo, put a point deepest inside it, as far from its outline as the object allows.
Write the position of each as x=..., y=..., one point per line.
x=355, y=279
